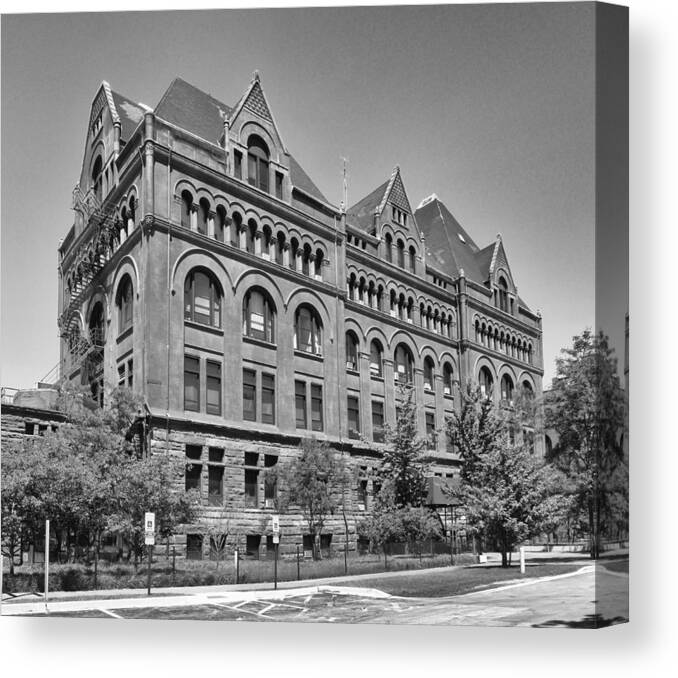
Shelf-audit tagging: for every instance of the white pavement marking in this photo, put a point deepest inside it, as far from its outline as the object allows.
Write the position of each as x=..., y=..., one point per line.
x=238, y=609
x=266, y=609
x=111, y=614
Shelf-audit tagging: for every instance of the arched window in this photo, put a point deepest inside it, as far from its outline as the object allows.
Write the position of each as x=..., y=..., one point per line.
x=280, y=248
x=219, y=223
x=186, y=205
x=507, y=389
x=318, y=264
x=258, y=316
x=413, y=258
x=250, y=236
x=376, y=358
x=203, y=216
x=404, y=364
x=202, y=299
x=351, y=351
x=528, y=391
x=388, y=247
x=97, y=179
x=125, y=303
x=447, y=379
x=307, y=331
x=503, y=295
x=428, y=374
x=486, y=381
x=97, y=327
x=401, y=254
x=257, y=162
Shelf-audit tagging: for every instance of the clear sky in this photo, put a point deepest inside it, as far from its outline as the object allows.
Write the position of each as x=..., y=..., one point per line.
x=489, y=106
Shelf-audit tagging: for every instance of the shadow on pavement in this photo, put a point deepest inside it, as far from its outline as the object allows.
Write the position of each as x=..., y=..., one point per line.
x=590, y=621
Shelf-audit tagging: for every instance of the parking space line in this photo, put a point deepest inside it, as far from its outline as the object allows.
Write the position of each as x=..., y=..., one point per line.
x=111, y=614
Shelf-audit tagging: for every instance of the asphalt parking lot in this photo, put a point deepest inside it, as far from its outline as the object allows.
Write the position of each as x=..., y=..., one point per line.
x=569, y=600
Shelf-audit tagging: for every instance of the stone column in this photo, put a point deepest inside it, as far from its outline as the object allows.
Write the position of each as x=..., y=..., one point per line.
x=299, y=262
x=257, y=243
x=286, y=255
x=210, y=225
x=242, y=237
x=273, y=248
x=194, y=217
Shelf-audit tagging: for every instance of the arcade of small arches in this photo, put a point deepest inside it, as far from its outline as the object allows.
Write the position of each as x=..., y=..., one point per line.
x=276, y=244
x=371, y=293
x=499, y=339
x=404, y=363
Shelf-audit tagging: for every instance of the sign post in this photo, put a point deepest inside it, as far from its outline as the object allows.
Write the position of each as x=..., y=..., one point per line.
x=46, y=563
x=522, y=560
x=149, y=541
x=275, y=526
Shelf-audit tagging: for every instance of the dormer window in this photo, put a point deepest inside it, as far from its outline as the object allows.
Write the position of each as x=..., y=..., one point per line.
x=257, y=162
x=503, y=295
x=97, y=124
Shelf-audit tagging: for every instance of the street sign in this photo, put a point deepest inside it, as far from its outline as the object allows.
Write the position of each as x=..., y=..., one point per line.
x=275, y=524
x=276, y=538
x=149, y=528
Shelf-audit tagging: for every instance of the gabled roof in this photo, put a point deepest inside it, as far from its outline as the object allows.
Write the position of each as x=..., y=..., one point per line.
x=362, y=213
x=448, y=245
x=195, y=111
x=129, y=113
x=192, y=109
x=302, y=181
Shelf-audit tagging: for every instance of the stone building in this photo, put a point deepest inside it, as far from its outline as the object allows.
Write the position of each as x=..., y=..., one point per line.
x=208, y=272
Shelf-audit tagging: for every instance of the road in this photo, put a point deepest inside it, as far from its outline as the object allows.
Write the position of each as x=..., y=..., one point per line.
x=586, y=598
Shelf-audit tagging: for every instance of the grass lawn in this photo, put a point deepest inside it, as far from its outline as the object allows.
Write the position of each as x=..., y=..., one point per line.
x=462, y=580
x=617, y=566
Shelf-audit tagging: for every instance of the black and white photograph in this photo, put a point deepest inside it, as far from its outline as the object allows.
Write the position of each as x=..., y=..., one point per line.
x=317, y=315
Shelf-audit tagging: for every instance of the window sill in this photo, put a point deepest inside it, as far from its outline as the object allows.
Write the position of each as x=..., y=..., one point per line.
x=204, y=328
x=376, y=377
x=259, y=342
x=311, y=356
x=124, y=334
x=353, y=371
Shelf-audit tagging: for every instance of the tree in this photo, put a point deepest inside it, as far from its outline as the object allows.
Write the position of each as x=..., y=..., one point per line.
x=398, y=513
x=402, y=465
x=87, y=479
x=507, y=493
x=314, y=481
x=586, y=407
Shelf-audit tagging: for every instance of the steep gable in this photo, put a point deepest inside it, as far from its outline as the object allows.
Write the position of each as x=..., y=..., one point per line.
x=388, y=203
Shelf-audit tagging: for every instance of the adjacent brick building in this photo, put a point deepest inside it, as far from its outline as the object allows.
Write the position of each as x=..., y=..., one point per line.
x=208, y=272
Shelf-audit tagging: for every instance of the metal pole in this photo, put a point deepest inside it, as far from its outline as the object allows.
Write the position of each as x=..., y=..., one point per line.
x=275, y=569
x=237, y=564
x=298, y=568
x=346, y=555
x=150, y=558
x=46, y=563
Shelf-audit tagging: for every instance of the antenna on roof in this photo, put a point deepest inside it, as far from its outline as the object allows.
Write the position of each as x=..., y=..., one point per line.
x=344, y=198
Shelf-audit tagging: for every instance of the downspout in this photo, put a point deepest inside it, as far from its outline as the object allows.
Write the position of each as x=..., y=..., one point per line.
x=169, y=290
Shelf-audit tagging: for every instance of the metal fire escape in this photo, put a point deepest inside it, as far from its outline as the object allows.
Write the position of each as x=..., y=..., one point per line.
x=85, y=345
